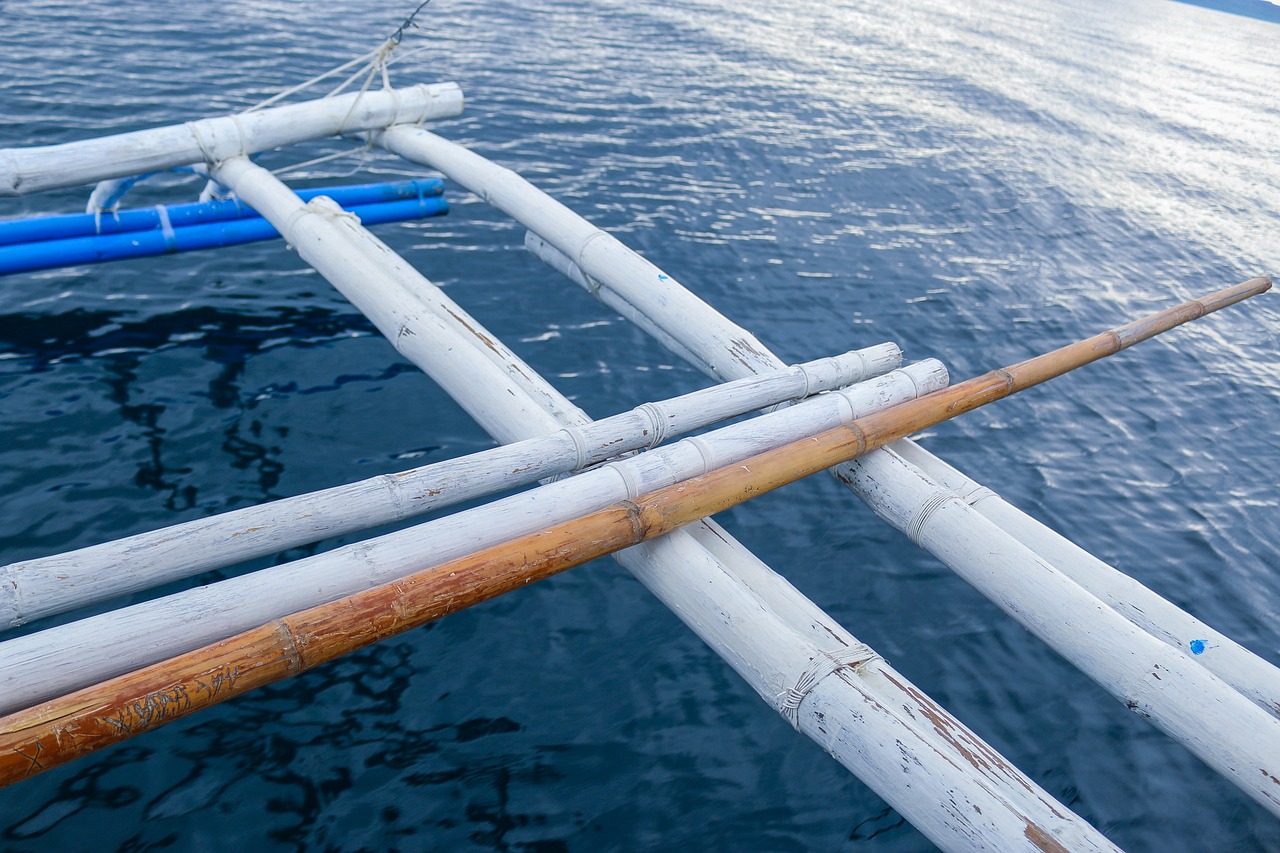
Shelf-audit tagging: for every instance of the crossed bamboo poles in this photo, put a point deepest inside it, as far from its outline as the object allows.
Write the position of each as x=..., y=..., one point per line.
x=65, y=728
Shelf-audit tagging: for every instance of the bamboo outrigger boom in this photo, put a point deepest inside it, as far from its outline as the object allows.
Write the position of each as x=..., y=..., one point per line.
x=65, y=728
x=25, y=170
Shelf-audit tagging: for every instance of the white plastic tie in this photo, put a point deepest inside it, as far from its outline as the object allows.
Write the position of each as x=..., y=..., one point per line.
x=822, y=665
x=579, y=446
x=205, y=145
x=166, y=229
x=241, y=139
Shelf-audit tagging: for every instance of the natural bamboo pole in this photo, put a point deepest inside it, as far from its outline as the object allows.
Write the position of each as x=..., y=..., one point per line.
x=45, y=586
x=65, y=728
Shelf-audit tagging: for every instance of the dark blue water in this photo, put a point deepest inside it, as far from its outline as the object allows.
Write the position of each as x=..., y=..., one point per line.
x=979, y=181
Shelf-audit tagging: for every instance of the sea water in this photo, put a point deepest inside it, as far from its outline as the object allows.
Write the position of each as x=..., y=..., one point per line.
x=979, y=181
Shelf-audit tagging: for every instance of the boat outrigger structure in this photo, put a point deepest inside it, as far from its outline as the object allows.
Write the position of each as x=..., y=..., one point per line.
x=851, y=414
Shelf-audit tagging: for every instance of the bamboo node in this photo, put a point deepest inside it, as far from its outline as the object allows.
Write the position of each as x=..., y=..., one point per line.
x=708, y=456
x=629, y=481
x=582, y=249
x=808, y=380
x=820, y=666
x=579, y=446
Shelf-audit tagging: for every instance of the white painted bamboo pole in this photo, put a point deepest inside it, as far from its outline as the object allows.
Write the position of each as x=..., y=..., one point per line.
x=48, y=585
x=1242, y=669
x=1160, y=683
x=965, y=796
x=726, y=349
x=633, y=286
x=390, y=294
x=25, y=170
x=950, y=749
x=955, y=788
x=49, y=663
x=560, y=262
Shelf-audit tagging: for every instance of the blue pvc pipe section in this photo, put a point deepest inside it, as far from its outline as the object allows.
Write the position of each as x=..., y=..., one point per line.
x=135, y=244
x=142, y=219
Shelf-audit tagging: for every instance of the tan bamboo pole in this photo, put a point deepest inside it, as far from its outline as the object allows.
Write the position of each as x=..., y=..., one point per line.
x=57, y=731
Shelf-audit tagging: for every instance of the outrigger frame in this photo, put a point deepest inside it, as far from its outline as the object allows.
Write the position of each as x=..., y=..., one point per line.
x=951, y=785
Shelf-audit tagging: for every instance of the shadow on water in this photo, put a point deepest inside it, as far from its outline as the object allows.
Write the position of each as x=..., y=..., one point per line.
x=118, y=347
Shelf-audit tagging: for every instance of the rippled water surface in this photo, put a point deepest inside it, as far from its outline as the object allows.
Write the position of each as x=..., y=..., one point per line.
x=978, y=181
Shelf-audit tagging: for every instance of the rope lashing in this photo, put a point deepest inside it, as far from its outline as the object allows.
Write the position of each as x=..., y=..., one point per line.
x=824, y=664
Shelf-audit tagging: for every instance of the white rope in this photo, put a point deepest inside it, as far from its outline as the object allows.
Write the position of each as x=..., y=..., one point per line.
x=338, y=155
x=579, y=446
x=372, y=64
x=314, y=80
x=824, y=664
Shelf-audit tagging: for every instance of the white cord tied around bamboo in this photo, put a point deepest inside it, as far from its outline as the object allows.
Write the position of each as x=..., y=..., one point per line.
x=658, y=418
x=855, y=657
x=939, y=499
x=166, y=229
x=329, y=209
x=582, y=457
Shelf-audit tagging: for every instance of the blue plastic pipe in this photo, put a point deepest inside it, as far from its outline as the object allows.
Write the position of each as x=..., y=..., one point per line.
x=142, y=219
x=134, y=244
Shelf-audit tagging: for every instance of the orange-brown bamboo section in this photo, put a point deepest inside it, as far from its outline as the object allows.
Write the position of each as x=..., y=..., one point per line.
x=65, y=728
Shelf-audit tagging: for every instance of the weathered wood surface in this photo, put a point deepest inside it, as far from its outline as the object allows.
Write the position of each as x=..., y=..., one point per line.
x=63, y=729
x=972, y=799
x=663, y=307
x=32, y=589
x=26, y=170
x=66, y=657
